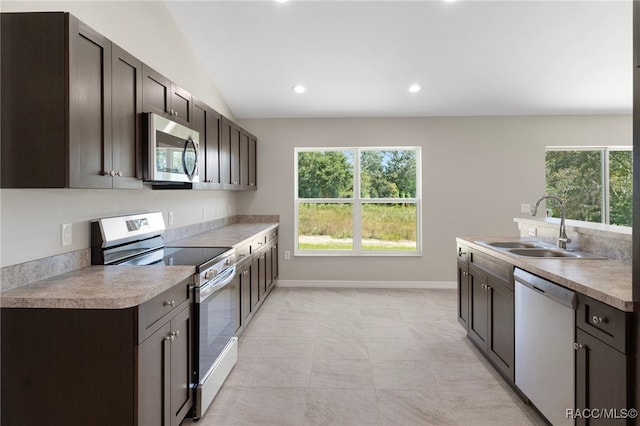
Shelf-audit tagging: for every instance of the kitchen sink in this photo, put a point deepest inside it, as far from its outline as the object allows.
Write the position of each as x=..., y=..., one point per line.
x=513, y=244
x=536, y=249
x=542, y=252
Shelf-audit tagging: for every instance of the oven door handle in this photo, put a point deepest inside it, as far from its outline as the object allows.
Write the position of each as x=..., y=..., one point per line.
x=203, y=293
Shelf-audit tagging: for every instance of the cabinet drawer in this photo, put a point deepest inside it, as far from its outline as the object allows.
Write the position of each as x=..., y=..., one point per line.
x=258, y=243
x=273, y=234
x=604, y=322
x=493, y=266
x=463, y=253
x=151, y=312
x=243, y=252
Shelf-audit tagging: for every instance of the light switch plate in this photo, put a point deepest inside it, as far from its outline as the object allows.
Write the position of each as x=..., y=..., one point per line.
x=533, y=232
x=287, y=255
x=525, y=208
x=170, y=218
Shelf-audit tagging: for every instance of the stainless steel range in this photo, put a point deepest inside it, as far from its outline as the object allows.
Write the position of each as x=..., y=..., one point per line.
x=137, y=240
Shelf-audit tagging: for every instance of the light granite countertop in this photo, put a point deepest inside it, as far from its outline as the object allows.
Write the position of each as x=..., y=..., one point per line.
x=119, y=287
x=234, y=235
x=97, y=287
x=606, y=280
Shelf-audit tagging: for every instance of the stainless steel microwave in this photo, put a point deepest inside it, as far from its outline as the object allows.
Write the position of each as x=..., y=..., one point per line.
x=171, y=151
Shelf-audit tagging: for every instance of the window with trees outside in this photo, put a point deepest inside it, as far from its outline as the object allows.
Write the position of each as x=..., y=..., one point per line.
x=595, y=182
x=357, y=201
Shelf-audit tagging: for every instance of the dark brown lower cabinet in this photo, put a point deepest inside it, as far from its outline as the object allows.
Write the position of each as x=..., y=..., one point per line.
x=244, y=272
x=491, y=320
x=601, y=380
x=164, y=371
x=97, y=366
x=463, y=294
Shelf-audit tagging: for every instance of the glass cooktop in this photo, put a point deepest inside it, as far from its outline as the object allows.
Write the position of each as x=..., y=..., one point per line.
x=177, y=256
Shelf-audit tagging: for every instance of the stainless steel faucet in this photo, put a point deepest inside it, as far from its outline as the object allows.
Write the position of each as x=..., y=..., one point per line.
x=563, y=240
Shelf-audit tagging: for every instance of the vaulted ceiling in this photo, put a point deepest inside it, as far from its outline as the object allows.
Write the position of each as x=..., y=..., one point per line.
x=358, y=58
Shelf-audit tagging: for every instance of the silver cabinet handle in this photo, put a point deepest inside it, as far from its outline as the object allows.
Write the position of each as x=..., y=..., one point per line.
x=597, y=320
x=171, y=304
x=577, y=346
x=464, y=273
x=119, y=173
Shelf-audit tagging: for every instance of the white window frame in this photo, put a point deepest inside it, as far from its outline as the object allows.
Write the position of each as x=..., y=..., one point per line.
x=606, y=202
x=356, y=201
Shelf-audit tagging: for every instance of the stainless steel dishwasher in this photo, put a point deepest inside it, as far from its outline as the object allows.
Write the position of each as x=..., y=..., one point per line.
x=545, y=358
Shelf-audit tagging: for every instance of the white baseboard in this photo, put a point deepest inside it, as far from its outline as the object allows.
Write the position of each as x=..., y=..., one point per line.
x=445, y=285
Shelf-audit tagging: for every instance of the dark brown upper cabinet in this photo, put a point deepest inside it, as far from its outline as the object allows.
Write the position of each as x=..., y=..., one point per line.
x=126, y=99
x=206, y=121
x=163, y=97
x=238, y=149
x=58, y=126
x=248, y=147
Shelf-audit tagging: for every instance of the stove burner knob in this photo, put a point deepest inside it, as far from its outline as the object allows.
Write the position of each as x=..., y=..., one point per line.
x=210, y=274
x=229, y=261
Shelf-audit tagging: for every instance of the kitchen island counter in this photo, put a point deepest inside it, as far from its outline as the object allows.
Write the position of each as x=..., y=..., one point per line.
x=605, y=280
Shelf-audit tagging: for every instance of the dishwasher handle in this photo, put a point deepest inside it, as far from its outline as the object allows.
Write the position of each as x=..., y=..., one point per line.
x=553, y=291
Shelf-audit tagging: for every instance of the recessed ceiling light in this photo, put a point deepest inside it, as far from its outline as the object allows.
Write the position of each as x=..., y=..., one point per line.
x=281, y=1
x=415, y=88
x=299, y=88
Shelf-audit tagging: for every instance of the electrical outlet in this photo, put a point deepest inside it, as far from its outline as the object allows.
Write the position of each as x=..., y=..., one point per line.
x=533, y=232
x=66, y=236
x=203, y=213
x=525, y=208
x=170, y=218
x=287, y=255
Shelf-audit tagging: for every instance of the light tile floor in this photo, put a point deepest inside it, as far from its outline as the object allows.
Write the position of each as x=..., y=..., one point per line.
x=362, y=357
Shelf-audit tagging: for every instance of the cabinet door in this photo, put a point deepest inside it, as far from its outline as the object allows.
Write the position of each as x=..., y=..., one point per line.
x=262, y=274
x=126, y=89
x=463, y=294
x=274, y=260
x=89, y=107
x=181, y=392
x=225, y=151
x=269, y=266
x=235, y=141
x=212, y=148
x=181, y=105
x=253, y=162
x=154, y=372
x=256, y=274
x=245, y=293
x=34, y=100
x=156, y=91
x=199, y=124
x=601, y=378
x=501, y=342
x=478, y=308
x=244, y=159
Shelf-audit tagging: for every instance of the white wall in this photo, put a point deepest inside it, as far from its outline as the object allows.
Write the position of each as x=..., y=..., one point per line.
x=31, y=219
x=476, y=172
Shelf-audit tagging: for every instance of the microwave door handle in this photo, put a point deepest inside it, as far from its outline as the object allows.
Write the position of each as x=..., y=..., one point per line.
x=189, y=173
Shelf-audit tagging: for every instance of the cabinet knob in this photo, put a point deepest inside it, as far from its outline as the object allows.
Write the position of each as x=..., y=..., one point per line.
x=598, y=320
x=577, y=346
x=464, y=274
x=170, y=337
x=171, y=304
x=120, y=174
x=111, y=173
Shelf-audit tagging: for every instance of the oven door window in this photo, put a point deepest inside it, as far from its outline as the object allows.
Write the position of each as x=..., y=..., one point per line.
x=217, y=326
